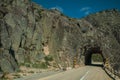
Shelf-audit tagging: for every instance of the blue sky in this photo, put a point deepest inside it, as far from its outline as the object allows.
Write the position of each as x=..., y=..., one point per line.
x=79, y=8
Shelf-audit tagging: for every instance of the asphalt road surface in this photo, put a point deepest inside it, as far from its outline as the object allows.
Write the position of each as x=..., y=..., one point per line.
x=82, y=73
x=38, y=75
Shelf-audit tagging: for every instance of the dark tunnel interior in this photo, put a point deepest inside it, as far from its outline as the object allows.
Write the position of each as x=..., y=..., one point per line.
x=90, y=52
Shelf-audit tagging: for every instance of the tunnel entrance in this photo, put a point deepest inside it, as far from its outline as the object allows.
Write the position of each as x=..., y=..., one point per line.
x=94, y=56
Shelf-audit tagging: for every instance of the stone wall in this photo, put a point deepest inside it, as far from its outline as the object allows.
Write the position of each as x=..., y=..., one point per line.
x=27, y=31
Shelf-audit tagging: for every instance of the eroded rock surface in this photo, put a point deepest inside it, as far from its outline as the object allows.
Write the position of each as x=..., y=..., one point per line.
x=31, y=35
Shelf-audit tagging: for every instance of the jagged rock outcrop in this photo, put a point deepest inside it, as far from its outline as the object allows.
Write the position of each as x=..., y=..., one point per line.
x=31, y=35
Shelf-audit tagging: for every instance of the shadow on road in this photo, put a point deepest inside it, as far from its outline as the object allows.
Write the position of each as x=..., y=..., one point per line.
x=97, y=65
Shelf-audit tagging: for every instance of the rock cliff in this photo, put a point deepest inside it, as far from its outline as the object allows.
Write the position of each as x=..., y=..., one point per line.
x=36, y=37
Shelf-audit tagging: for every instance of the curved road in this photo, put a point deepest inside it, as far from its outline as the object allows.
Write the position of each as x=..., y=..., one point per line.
x=82, y=73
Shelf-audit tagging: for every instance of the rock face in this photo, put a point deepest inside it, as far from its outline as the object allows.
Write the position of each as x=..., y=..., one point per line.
x=30, y=35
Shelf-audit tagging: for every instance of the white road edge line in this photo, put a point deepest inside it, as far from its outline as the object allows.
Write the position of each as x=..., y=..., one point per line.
x=84, y=75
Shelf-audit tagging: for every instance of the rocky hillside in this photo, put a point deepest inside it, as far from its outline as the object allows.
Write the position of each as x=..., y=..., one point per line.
x=36, y=37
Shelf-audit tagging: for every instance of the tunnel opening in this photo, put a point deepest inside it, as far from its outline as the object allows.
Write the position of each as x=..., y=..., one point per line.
x=94, y=57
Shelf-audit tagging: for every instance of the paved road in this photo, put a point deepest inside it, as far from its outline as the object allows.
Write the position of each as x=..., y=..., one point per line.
x=38, y=75
x=83, y=73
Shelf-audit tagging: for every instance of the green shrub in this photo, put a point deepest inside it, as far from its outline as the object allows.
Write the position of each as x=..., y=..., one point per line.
x=48, y=58
x=42, y=65
x=31, y=71
x=97, y=58
x=27, y=64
